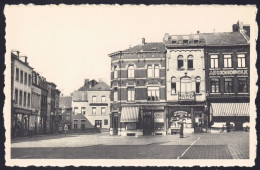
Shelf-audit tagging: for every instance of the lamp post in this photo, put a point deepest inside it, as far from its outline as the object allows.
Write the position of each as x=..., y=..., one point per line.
x=207, y=116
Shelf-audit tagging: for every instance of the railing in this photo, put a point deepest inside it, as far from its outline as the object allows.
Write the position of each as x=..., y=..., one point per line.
x=186, y=96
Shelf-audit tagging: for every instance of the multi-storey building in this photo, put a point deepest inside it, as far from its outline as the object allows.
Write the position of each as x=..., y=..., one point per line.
x=185, y=77
x=227, y=68
x=44, y=94
x=51, y=107
x=65, y=105
x=21, y=109
x=138, y=90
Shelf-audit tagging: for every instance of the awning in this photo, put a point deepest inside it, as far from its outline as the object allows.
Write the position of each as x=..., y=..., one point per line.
x=129, y=114
x=229, y=109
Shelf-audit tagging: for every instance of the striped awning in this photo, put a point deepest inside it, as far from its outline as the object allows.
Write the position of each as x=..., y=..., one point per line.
x=129, y=114
x=230, y=109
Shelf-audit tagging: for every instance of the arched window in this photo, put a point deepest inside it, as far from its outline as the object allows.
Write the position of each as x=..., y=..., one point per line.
x=156, y=71
x=180, y=62
x=190, y=62
x=131, y=71
x=173, y=85
x=149, y=71
x=186, y=85
x=198, y=79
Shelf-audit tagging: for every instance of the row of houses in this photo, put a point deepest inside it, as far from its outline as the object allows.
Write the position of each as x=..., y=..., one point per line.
x=198, y=78
x=34, y=100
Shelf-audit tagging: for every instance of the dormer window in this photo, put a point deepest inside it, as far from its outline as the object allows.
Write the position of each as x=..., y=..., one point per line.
x=185, y=39
x=174, y=39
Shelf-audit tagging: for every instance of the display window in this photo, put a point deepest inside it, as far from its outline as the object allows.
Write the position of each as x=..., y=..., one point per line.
x=131, y=126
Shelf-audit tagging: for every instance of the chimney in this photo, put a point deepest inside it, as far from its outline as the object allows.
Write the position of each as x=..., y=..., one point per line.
x=86, y=81
x=198, y=32
x=18, y=52
x=143, y=41
x=25, y=59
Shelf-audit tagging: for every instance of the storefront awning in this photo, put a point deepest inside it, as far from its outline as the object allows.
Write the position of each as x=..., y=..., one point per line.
x=229, y=109
x=129, y=114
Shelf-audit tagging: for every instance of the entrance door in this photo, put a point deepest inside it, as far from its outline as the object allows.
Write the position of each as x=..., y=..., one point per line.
x=98, y=124
x=147, y=130
x=115, y=126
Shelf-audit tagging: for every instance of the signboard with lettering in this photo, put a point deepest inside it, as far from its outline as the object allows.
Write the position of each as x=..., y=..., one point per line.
x=228, y=72
x=22, y=111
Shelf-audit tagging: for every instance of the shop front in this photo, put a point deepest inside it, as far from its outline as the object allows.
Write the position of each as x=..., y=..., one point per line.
x=114, y=122
x=20, y=122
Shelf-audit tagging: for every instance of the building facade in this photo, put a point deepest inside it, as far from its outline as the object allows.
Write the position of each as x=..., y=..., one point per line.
x=21, y=109
x=138, y=90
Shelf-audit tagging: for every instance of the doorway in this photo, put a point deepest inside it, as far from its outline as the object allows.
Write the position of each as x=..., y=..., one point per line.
x=115, y=126
x=147, y=129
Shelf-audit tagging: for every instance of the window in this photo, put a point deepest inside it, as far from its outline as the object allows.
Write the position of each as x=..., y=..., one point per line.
x=131, y=71
x=149, y=71
x=21, y=98
x=115, y=95
x=83, y=110
x=83, y=124
x=153, y=93
x=17, y=74
x=94, y=98
x=94, y=109
x=186, y=85
x=25, y=78
x=16, y=96
x=75, y=124
x=75, y=110
x=130, y=94
x=196, y=38
x=67, y=117
x=103, y=99
x=190, y=62
x=98, y=123
x=228, y=85
x=131, y=126
x=197, y=84
x=21, y=76
x=180, y=62
x=241, y=60
x=105, y=122
x=173, y=85
x=214, y=83
x=242, y=85
x=115, y=72
x=29, y=80
x=24, y=99
x=29, y=100
x=185, y=39
x=227, y=61
x=156, y=71
x=213, y=61
x=103, y=110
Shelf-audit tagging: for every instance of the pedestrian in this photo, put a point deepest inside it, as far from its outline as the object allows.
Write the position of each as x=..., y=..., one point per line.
x=181, y=129
x=65, y=128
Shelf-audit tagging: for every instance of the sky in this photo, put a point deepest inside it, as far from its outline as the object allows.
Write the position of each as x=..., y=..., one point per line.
x=67, y=44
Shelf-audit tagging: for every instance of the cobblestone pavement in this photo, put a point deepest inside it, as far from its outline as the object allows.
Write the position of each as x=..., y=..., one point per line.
x=234, y=145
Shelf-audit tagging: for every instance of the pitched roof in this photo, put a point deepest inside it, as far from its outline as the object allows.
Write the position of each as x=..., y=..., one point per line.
x=224, y=38
x=153, y=46
x=86, y=86
x=101, y=86
x=65, y=101
x=79, y=96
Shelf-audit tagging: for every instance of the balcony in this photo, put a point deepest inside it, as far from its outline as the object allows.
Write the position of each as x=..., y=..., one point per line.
x=186, y=96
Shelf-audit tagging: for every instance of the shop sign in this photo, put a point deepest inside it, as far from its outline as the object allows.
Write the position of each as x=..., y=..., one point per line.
x=228, y=72
x=158, y=115
x=154, y=108
x=22, y=111
x=180, y=114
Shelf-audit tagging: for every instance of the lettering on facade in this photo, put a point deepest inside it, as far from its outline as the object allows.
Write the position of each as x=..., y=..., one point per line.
x=228, y=72
x=180, y=114
x=21, y=111
x=187, y=96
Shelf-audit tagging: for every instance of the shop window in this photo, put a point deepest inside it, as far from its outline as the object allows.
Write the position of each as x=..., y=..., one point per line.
x=24, y=99
x=158, y=126
x=173, y=85
x=242, y=85
x=16, y=96
x=29, y=100
x=21, y=76
x=17, y=74
x=103, y=111
x=115, y=72
x=131, y=126
x=21, y=98
x=130, y=94
x=94, y=110
x=149, y=71
x=103, y=99
x=214, y=83
x=105, y=122
x=115, y=95
x=83, y=124
x=83, y=110
x=180, y=62
x=25, y=78
x=197, y=84
x=156, y=71
x=75, y=124
x=29, y=80
x=213, y=61
x=98, y=123
x=241, y=60
x=227, y=61
x=131, y=71
x=153, y=93
x=228, y=85
x=190, y=62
